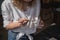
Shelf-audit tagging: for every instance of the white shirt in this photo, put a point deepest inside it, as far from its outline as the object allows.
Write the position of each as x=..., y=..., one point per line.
x=10, y=12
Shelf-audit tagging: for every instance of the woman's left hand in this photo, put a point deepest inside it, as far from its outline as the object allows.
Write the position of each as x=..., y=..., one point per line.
x=41, y=24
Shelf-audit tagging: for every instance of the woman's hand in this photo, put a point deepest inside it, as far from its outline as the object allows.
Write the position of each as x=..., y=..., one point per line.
x=23, y=20
x=41, y=24
x=13, y=25
x=17, y=24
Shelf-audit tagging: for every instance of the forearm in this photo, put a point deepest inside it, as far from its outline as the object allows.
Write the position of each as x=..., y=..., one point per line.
x=13, y=25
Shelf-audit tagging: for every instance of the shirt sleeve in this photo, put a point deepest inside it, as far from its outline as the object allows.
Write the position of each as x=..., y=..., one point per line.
x=38, y=7
x=5, y=14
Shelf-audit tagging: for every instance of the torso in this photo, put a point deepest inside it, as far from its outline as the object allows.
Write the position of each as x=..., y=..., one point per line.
x=17, y=14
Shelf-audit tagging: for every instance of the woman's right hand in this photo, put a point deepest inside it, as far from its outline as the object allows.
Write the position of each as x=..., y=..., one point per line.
x=19, y=23
x=23, y=20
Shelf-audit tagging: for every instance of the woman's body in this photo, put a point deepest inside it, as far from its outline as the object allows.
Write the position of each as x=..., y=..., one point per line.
x=15, y=18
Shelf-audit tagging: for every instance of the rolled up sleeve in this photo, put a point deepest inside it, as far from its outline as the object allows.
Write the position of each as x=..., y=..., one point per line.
x=5, y=14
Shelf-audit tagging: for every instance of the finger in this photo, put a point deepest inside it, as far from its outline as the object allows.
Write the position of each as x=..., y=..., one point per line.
x=21, y=20
x=25, y=19
x=25, y=22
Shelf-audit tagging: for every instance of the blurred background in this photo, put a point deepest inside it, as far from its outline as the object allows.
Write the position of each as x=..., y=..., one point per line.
x=50, y=14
